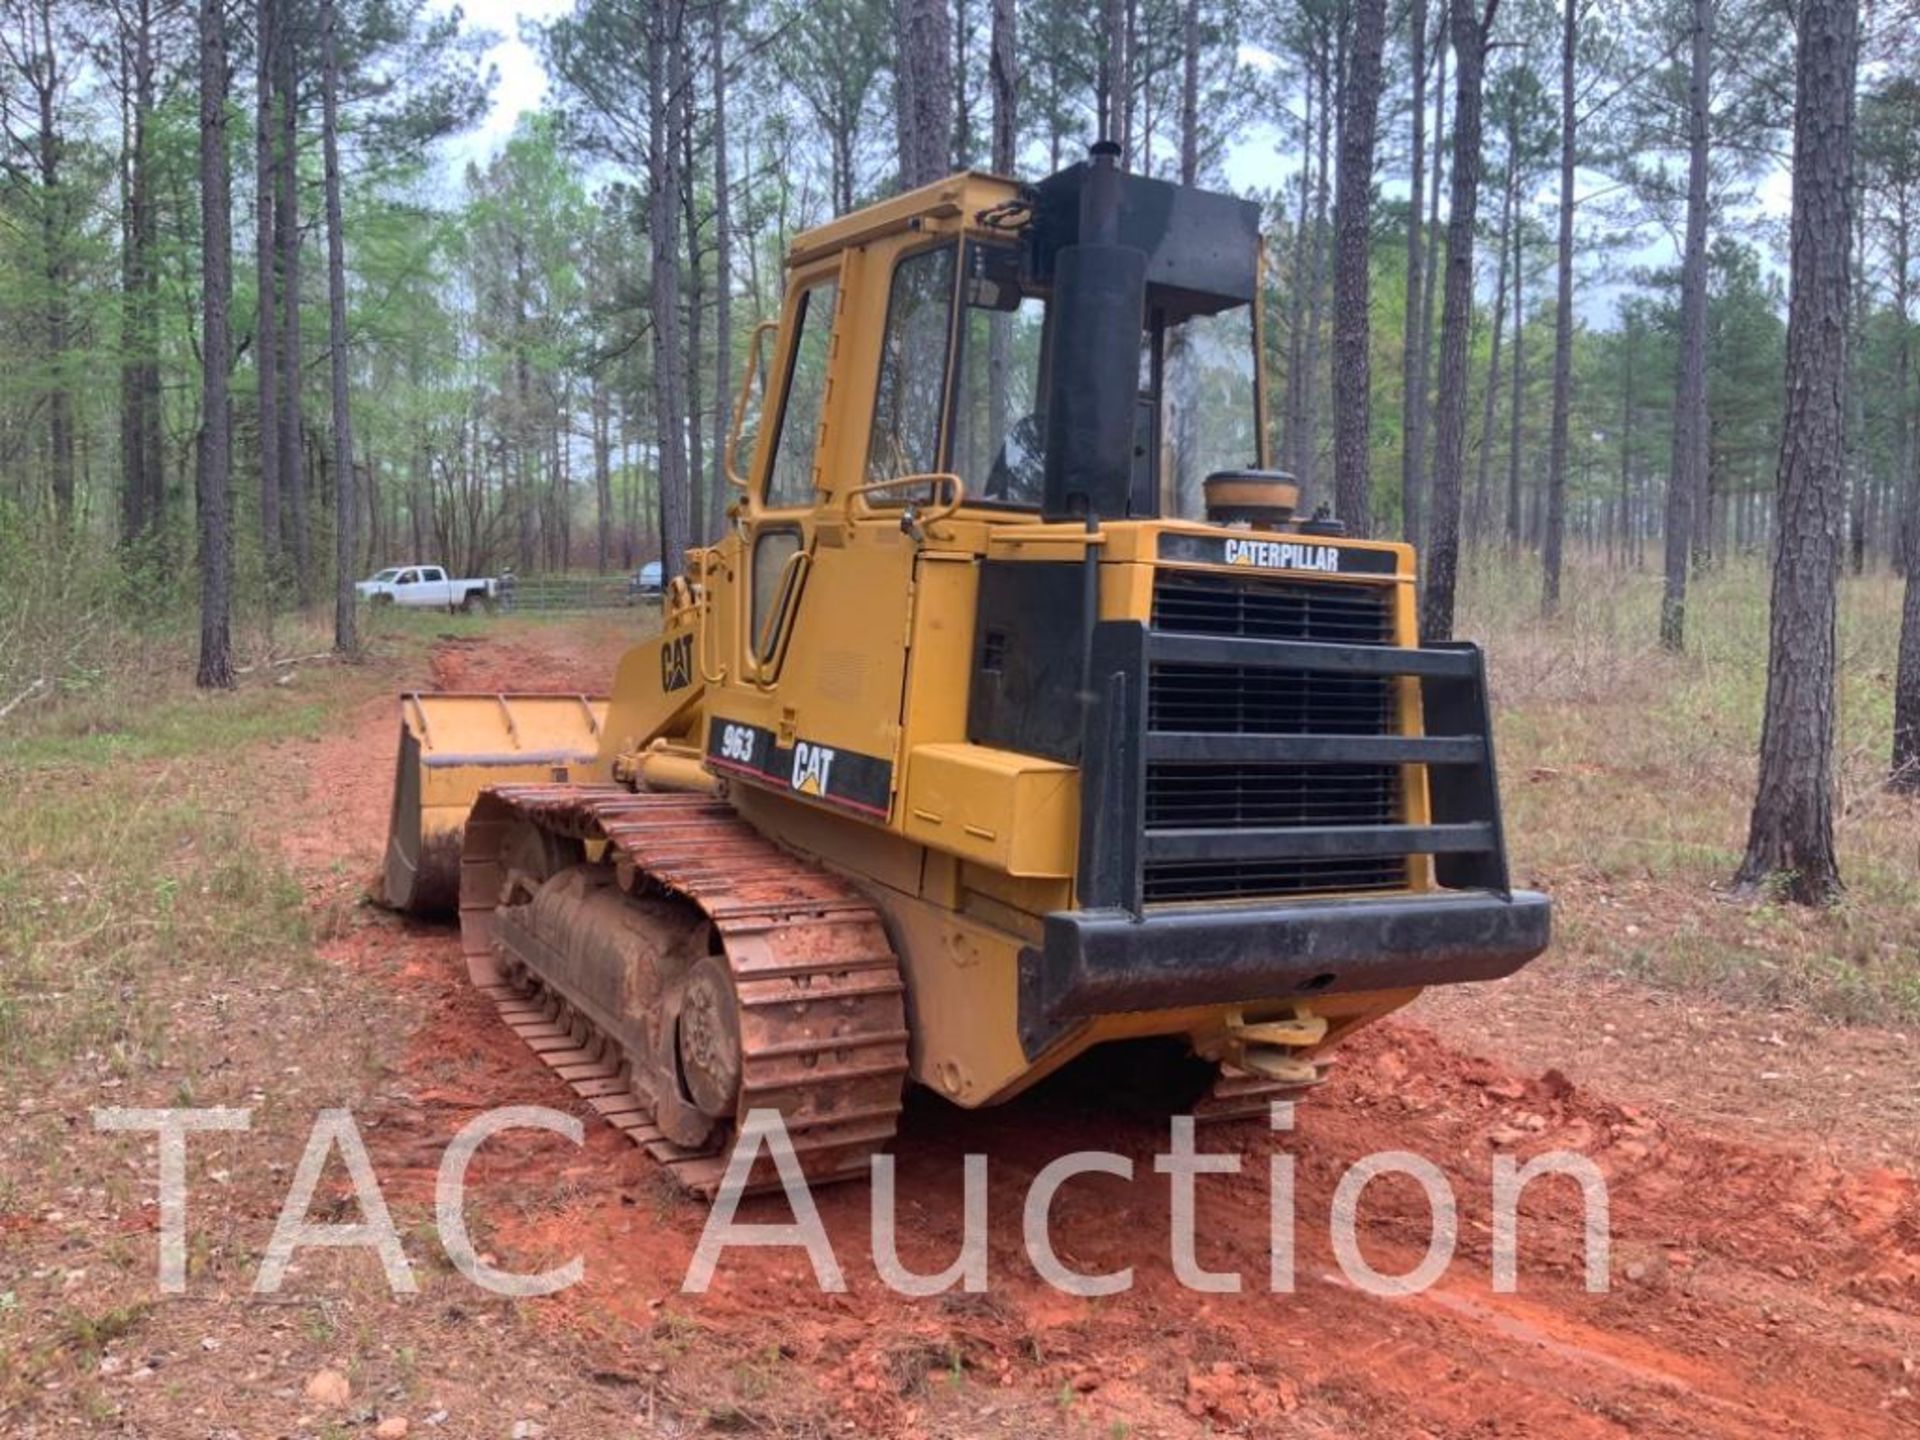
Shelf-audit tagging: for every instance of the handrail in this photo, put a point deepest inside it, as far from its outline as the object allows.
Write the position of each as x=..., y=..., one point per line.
x=754, y=347
x=680, y=595
x=956, y=491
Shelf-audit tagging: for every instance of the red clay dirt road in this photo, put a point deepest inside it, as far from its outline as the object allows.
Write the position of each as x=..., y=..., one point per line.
x=1760, y=1286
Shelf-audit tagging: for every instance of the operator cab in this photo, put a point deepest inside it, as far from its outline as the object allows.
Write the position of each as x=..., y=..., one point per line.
x=1157, y=379
x=1196, y=407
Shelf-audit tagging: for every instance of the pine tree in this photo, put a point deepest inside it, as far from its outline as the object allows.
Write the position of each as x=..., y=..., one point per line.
x=346, y=515
x=1686, y=476
x=1353, y=259
x=1470, y=26
x=923, y=71
x=1557, y=444
x=213, y=481
x=1790, y=837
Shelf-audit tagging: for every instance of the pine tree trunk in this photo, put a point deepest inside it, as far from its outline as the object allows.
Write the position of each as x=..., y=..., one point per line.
x=962, y=127
x=1906, y=481
x=1628, y=551
x=143, y=477
x=266, y=327
x=1413, y=380
x=1316, y=280
x=1003, y=87
x=1296, y=399
x=1687, y=475
x=699, y=525
x=1517, y=374
x=1557, y=443
x=526, y=528
x=602, y=477
x=1443, y=547
x=1003, y=68
x=925, y=77
x=722, y=272
x=1905, y=774
x=131, y=521
x=213, y=478
x=49, y=78
x=1480, y=512
x=1190, y=92
x=1352, y=260
x=666, y=71
x=1790, y=839
x=292, y=461
x=1859, y=481
x=345, y=506
x=373, y=531
x=1431, y=281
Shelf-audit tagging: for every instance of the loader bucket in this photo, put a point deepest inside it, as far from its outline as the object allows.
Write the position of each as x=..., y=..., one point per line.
x=453, y=746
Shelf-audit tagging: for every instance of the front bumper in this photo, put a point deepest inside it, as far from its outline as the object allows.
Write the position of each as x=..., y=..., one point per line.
x=1097, y=962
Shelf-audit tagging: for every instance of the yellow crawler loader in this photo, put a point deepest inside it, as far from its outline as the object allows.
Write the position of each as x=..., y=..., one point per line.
x=1019, y=713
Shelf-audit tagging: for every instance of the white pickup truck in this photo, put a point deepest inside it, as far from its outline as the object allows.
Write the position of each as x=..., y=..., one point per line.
x=427, y=587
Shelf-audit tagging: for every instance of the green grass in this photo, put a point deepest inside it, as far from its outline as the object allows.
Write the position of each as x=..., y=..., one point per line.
x=133, y=885
x=133, y=880
x=171, y=730
x=120, y=897
x=147, y=709
x=1628, y=773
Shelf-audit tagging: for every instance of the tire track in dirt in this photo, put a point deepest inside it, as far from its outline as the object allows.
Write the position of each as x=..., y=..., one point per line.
x=1757, y=1288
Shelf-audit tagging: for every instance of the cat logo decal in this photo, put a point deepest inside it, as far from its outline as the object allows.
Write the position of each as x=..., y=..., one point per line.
x=676, y=664
x=812, y=764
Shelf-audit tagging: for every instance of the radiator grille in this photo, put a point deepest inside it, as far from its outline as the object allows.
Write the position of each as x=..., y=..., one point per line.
x=1236, y=700
x=1240, y=701
x=1202, y=796
x=1201, y=604
x=1171, y=882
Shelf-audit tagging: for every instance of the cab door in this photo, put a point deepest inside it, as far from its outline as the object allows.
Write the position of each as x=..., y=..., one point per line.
x=780, y=522
x=829, y=570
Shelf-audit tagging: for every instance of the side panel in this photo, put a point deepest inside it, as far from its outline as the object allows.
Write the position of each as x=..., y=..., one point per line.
x=829, y=727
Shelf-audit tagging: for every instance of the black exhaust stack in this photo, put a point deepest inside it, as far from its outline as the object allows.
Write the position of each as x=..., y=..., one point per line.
x=1099, y=302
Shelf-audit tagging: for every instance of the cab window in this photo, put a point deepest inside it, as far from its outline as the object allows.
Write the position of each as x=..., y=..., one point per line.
x=407, y=577
x=1197, y=410
x=790, y=480
x=913, y=368
x=772, y=551
x=1208, y=414
x=999, y=434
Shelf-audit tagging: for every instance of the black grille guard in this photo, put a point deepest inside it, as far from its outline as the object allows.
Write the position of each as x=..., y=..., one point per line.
x=1116, y=953
x=1463, y=832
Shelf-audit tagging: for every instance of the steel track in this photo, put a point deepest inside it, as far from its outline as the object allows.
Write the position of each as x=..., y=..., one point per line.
x=820, y=1001
x=822, y=1005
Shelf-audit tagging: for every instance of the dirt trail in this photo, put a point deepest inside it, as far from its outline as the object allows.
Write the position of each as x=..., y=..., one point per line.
x=1758, y=1285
